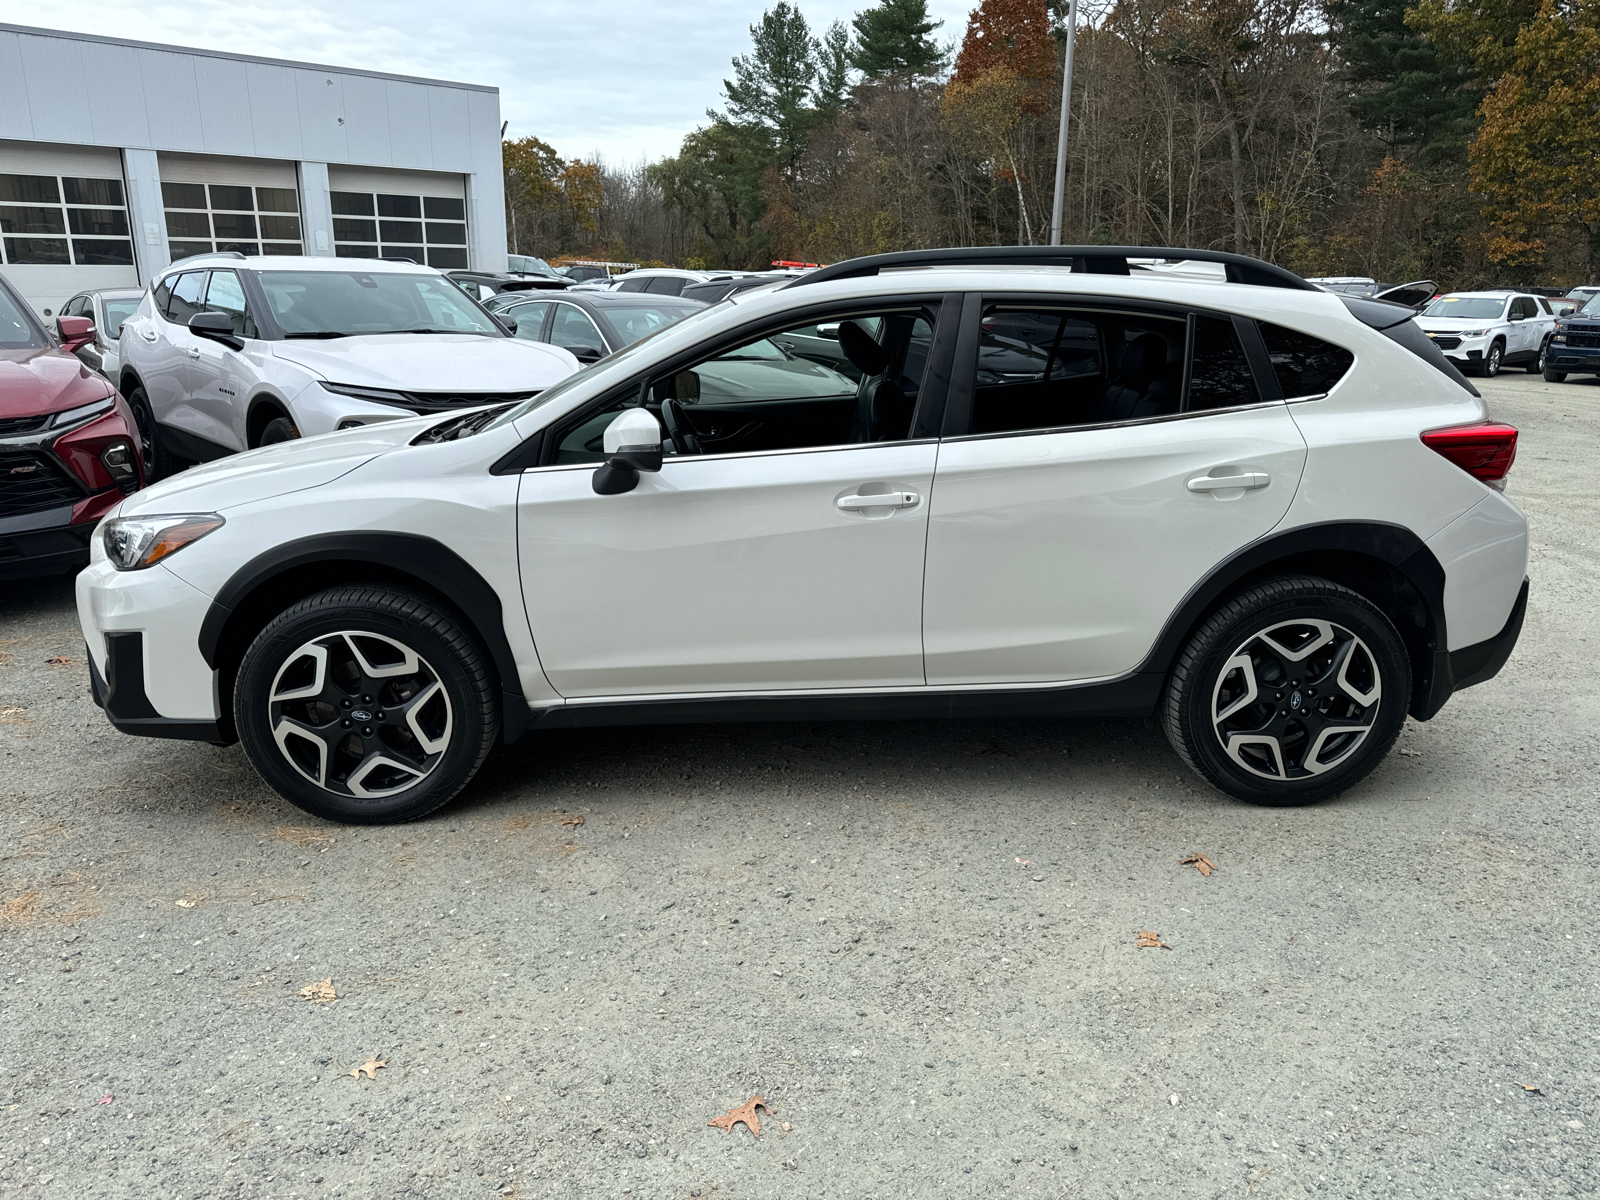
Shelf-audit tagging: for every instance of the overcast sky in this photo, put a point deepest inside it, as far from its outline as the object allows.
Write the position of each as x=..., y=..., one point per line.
x=627, y=78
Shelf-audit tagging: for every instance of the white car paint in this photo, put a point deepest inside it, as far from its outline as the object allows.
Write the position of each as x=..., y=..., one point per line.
x=1052, y=556
x=1521, y=338
x=200, y=387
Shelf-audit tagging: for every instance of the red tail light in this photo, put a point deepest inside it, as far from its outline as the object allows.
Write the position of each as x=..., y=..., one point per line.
x=1483, y=451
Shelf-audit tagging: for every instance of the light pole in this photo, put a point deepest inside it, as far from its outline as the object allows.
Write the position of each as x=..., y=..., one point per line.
x=1061, y=136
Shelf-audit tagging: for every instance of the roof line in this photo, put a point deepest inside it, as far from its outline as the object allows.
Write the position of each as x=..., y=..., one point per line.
x=68, y=35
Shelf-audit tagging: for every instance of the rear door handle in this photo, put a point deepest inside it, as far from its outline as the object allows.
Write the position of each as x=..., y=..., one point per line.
x=884, y=500
x=1220, y=483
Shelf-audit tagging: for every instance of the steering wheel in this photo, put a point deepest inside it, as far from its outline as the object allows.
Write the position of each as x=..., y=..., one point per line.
x=678, y=428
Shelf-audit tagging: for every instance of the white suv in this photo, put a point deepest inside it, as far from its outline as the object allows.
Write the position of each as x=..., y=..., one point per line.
x=227, y=353
x=1484, y=331
x=1272, y=515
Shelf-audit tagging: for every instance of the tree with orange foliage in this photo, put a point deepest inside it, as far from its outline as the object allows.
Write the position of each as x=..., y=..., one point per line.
x=1013, y=35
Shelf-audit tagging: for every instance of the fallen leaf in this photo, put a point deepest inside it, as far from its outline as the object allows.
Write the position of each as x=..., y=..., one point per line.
x=746, y=1112
x=12, y=715
x=1150, y=940
x=190, y=900
x=572, y=821
x=1412, y=753
x=106, y=1099
x=1199, y=862
x=60, y=660
x=321, y=992
x=372, y=1066
x=1027, y=862
x=1530, y=1089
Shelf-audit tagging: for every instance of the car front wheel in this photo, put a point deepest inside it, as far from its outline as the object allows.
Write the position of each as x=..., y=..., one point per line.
x=1289, y=693
x=155, y=459
x=1491, y=361
x=366, y=704
x=1554, y=376
x=1536, y=367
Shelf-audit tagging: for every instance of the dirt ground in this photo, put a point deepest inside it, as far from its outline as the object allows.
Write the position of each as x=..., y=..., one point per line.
x=915, y=941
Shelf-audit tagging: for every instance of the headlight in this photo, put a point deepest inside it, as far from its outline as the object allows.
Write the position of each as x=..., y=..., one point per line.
x=133, y=543
x=73, y=415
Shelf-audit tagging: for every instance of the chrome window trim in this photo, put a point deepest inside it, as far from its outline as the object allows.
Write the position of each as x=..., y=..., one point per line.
x=738, y=454
x=1155, y=420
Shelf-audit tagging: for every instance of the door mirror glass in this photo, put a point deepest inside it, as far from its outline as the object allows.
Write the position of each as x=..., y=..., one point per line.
x=632, y=443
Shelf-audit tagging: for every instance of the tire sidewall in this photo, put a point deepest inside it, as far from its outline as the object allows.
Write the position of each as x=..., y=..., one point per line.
x=1394, y=668
x=287, y=634
x=1491, y=361
x=158, y=463
x=274, y=433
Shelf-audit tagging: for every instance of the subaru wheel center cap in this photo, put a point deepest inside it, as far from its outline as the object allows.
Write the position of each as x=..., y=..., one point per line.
x=1294, y=700
x=362, y=715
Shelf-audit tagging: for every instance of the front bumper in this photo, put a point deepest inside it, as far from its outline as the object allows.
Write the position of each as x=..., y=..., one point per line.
x=120, y=692
x=43, y=543
x=1572, y=358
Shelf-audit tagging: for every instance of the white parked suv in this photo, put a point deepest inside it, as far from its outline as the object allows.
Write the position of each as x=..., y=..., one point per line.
x=227, y=353
x=1484, y=331
x=1271, y=515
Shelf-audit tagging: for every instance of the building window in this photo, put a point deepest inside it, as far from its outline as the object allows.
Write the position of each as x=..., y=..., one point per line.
x=425, y=229
x=60, y=219
x=202, y=218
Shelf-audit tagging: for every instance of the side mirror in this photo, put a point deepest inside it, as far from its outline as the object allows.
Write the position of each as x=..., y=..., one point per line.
x=509, y=324
x=829, y=330
x=632, y=444
x=1516, y=316
x=76, y=333
x=686, y=387
x=216, y=326
x=586, y=354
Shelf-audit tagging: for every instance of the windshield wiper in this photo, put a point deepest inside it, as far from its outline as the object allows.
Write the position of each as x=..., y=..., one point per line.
x=320, y=333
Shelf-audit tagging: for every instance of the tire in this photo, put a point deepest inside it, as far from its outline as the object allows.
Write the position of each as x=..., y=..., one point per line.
x=1322, y=637
x=1554, y=376
x=1491, y=361
x=154, y=457
x=279, y=429
x=1536, y=367
x=375, y=650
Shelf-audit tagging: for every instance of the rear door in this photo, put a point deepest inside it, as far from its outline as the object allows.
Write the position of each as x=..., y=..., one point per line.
x=1099, y=461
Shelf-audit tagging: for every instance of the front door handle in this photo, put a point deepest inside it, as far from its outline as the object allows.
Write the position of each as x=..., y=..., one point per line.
x=883, y=500
x=1221, y=483
x=192, y=351
x=148, y=335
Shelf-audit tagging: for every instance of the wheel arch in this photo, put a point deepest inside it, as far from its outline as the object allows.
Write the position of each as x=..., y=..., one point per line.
x=1388, y=564
x=127, y=379
x=272, y=581
x=264, y=407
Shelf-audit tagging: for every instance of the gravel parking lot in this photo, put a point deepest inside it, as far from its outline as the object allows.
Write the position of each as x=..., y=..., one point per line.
x=915, y=941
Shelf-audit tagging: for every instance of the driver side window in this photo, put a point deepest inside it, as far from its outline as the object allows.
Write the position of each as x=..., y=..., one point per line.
x=853, y=379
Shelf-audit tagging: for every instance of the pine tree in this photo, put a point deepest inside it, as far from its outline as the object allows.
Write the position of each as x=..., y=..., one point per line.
x=1404, y=90
x=772, y=87
x=892, y=41
x=833, y=69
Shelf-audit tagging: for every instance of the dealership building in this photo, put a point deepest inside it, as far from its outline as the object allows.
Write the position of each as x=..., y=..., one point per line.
x=119, y=157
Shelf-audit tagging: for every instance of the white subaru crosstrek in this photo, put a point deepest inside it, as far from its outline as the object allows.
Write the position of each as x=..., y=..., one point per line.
x=1271, y=515
x=227, y=353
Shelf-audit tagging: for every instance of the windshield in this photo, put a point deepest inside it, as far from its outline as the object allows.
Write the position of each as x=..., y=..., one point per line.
x=118, y=311
x=1591, y=309
x=343, y=303
x=17, y=330
x=614, y=366
x=633, y=322
x=1467, y=307
x=527, y=264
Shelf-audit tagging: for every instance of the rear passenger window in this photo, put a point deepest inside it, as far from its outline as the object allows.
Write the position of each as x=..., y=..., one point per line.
x=1220, y=375
x=1304, y=365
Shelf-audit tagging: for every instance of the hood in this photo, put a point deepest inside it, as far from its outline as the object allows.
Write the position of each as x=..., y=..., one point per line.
x=432, y=362
x=273, y=470
x=34, y=382
x=1456, y=322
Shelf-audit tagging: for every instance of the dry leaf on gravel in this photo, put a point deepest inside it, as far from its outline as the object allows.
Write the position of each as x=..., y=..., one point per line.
x=1026, y=862
x=190, y=900
x=372, y=1066
x=1199, y=862
x=19, y=908
x=1530, y=1089
x=572, y=821
x=321, y=992
x=12, y=715
x=60, y=660
x=1412, y=753
x=746, y=1112
x=300, y=837
x=1150, y=940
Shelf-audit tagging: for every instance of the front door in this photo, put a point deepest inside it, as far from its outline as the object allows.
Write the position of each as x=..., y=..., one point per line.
x=1094, y=491
x=779, y=549
x=220, y=377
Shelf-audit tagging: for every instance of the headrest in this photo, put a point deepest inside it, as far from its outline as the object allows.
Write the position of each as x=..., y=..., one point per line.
x=861, y=349
x=1143, y=360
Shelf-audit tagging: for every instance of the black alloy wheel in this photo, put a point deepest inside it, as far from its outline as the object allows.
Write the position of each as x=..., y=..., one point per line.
x=153, y=457
x=366, y=704
x=1289, y=693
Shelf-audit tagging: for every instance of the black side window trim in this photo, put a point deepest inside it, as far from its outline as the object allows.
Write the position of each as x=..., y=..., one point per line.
x=950, y=315
x=1255, y=353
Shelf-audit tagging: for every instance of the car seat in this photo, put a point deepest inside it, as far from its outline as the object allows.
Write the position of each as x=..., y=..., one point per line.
x=883, y=410
x=1141, y=387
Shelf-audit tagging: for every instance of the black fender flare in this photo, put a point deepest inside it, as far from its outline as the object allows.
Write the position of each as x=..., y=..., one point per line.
x=422, y=558
x=1393, y=545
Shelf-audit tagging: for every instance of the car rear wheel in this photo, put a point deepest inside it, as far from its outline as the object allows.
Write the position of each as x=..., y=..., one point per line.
x=366, y=704
x=153, y=456
x=1289, y=693
x=279, y=429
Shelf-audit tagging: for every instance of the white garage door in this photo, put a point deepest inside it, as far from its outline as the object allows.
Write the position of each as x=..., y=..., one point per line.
x=419, y=215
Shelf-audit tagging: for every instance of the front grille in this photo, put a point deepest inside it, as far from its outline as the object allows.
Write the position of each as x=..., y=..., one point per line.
x=436, y=402
x=1584, y=341
x=11, y=425
x=31, y=483
x=1447, y=343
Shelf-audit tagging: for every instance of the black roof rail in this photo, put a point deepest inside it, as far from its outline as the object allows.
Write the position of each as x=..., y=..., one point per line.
x=1093, y=260
x=398, y=258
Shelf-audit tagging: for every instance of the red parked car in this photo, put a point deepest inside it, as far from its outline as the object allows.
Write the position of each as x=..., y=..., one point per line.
x=69, y=448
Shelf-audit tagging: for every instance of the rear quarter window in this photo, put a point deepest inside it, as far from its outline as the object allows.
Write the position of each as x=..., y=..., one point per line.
x=1304, y=365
